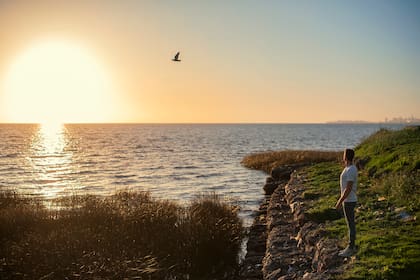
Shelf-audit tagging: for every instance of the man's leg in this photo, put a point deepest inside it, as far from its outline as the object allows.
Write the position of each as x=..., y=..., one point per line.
x=351, y=224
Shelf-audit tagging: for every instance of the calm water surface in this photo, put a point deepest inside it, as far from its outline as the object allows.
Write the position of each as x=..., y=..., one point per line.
x=171, y=161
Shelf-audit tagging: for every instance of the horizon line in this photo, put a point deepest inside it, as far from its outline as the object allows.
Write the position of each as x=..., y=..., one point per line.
x=216, y=123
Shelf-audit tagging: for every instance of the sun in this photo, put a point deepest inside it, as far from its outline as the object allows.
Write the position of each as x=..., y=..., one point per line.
x=57, y=81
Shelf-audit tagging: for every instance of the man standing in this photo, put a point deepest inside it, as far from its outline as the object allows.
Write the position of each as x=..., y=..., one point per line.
x=348, y=200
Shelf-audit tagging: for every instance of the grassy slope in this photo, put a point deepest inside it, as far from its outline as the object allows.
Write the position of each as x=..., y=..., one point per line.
x=388, y=247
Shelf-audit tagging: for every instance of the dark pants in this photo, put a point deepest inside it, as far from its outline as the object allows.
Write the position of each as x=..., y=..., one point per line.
x=351, y=224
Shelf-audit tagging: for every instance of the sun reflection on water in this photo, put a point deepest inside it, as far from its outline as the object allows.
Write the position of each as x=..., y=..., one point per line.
x=51, y=139
x=50, y=160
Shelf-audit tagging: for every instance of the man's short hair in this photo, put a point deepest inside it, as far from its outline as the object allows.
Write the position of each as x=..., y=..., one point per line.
x=349, y=154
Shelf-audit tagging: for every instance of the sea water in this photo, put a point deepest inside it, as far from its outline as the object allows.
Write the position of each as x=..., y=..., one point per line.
x=171, y=161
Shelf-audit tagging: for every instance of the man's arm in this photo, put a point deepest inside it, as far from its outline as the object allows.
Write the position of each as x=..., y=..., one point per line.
x=345, y=195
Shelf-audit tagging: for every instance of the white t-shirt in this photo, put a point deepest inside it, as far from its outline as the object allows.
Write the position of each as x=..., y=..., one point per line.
x=349, y=174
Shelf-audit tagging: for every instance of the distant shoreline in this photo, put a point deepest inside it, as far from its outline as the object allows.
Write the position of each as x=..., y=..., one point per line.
x=228, y=123
x=385, y=123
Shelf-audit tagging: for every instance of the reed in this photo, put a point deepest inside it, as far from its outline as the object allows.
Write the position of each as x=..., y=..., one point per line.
x=126, y=235
x=266, y=161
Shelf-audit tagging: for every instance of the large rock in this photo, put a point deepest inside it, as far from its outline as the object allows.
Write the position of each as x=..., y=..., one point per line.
x=270, y=185
x=326, y=255
x=281, y=173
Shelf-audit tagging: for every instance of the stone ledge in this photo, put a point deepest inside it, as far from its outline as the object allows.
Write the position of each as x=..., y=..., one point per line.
x=297, y=248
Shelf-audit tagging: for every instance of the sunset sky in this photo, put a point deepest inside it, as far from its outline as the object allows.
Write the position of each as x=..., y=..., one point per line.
x=242, y=61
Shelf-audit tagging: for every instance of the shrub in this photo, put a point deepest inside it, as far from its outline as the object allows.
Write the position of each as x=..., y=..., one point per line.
x=215, y=228
x=125, y=235
x=401, y=188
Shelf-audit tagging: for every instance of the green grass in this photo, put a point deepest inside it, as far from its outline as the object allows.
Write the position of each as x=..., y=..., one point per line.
x=389, y=248
x=393, y=167
x=127, y=235
x=391, y=151
x=320, y=183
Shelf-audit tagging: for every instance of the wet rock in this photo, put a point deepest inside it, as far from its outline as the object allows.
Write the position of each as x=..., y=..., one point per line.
x=314, y=276
x=270, y=186
x=270, y=264
x=281, y=173
x=309, y=234
x=326, y=255
x=269, y=180
x=251, y=268
x=274, y=275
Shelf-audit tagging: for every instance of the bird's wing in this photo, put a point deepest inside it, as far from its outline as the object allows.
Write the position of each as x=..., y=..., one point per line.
x=176, y=56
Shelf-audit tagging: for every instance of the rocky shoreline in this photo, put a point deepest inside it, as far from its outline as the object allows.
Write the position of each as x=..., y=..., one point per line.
x=283, y=243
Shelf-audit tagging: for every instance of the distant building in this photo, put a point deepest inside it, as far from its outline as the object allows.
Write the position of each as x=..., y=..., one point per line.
x=410, y=120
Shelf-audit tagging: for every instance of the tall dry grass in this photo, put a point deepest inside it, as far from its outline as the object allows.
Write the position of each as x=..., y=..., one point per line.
x=266, y=161
x=127, y=235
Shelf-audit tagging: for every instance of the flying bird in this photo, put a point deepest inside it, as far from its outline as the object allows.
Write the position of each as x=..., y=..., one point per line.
x=176, y=57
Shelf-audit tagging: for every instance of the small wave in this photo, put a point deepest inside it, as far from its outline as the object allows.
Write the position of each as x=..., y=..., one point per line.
x=92, y=162
x=8, y=169
x=186, y=167
x=152, y=168
x=45, y=181
x=118, y=157
x=84, y=172
x=46, y=156
x=90, y=188
x=124, y=176
x=13, y=155
x=95, y=155
x=141, y=147
x=209, y=175
x=179, y=178
x=232, y=181
x=125, y=182
x=151, y=177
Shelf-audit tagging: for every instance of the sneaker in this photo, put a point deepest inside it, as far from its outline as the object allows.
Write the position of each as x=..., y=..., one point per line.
x=347, y=252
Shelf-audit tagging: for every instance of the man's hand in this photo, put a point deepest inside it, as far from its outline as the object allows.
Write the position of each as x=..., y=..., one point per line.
x=346, y=193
